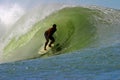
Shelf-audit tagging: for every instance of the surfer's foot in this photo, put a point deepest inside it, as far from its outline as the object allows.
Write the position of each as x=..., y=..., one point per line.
x=44, y=48
x=50, y=45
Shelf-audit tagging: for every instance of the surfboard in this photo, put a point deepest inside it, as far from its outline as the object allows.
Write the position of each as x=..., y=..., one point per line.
x=42, y=51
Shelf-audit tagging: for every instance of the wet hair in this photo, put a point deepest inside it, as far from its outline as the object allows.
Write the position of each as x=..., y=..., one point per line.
x=54, y=25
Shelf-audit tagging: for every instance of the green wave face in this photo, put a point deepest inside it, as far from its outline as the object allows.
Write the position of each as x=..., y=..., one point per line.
x=74, y=32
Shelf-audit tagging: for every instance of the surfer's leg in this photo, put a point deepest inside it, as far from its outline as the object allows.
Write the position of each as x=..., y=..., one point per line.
x=52, y=41
x=47, y=40
x=46, y=44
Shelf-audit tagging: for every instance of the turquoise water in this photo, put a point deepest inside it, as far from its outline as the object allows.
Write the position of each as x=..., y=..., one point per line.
x=87, y=47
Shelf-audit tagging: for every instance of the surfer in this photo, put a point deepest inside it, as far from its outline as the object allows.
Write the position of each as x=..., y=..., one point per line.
x=49, y=35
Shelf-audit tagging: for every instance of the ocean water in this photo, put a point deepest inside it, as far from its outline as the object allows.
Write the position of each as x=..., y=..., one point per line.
x=87, y=46
x=90, y=64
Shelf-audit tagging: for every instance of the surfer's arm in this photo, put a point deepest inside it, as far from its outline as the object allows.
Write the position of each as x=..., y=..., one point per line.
x=49, y=32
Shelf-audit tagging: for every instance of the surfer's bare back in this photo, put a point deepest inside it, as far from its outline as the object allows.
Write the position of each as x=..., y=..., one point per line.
x=49, y=35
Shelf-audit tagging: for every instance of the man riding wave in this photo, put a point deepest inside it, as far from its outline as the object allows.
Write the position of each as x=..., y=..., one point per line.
x=49, y=35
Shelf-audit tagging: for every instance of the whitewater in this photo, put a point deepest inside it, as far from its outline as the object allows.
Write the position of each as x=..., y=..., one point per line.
x=87, y=45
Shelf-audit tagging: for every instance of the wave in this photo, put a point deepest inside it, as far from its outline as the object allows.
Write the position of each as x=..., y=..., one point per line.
x=77, y=28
